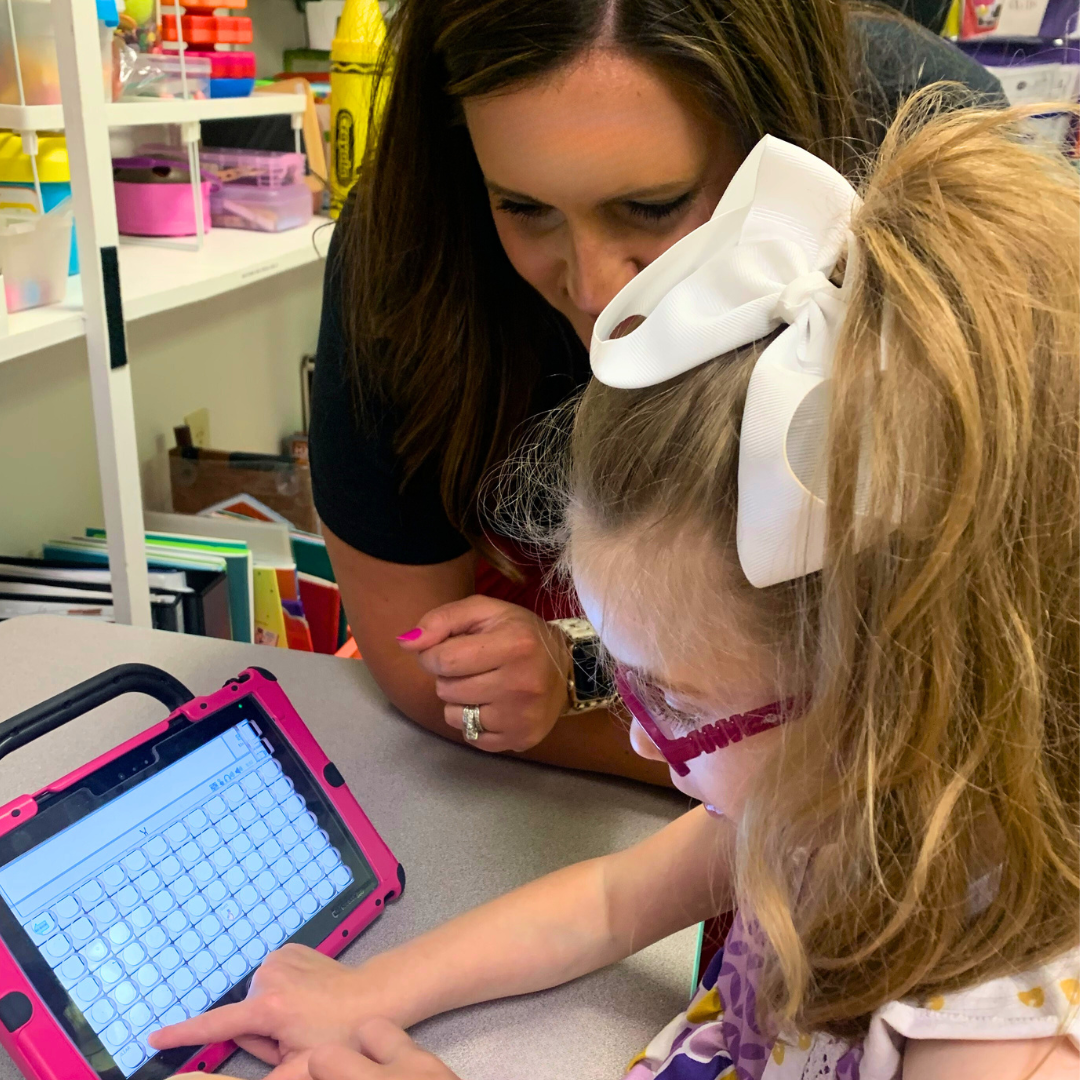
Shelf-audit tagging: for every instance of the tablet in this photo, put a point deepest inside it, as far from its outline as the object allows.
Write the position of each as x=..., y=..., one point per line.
x=148, y=886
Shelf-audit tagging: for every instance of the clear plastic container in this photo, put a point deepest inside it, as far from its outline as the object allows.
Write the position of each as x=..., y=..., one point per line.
x=37, y=51
x=37, y=54
x=34, y=252
x=157, y=75
x=255, y=168
x=263, y=209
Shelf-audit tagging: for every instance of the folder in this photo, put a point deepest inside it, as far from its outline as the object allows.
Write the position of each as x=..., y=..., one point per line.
x=237, y=567
x=268, y=542
x=269, y=615
x=322, y=607
x=297, y=631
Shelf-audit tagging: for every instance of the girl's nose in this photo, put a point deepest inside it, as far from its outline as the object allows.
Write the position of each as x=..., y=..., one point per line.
x=642, y=744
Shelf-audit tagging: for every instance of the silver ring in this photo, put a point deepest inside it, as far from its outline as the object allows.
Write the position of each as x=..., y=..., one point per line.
x=471, y=727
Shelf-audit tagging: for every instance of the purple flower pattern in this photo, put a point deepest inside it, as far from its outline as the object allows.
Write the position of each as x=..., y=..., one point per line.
x=732, y=1042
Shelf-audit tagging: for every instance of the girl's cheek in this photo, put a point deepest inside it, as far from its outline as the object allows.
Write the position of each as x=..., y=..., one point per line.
x=727, y=778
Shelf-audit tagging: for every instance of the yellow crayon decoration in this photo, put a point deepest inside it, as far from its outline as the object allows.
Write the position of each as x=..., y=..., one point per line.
x=354, y=55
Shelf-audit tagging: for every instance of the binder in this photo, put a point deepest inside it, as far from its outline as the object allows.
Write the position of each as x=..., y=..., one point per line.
x=35, y=597
x=204, y=594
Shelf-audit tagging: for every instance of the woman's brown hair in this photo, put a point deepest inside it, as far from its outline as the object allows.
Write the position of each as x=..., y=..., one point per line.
x=933, y=780
x=444, y=333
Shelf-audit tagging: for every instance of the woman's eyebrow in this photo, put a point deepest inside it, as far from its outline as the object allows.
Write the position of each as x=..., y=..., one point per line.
x=671, y=189
x=506, y=193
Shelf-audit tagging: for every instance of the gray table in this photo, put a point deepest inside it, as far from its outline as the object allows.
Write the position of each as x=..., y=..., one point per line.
x=467, y=826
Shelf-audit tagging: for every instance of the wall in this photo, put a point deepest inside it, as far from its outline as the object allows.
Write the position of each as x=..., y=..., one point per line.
x=237, y=354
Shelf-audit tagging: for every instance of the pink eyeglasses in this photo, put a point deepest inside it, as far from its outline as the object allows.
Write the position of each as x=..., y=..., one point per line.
x=663, y=724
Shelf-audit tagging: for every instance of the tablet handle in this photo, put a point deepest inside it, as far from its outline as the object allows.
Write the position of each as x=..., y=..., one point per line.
x=57, y=711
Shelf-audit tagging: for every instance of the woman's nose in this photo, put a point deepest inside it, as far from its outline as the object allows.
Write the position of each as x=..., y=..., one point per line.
x=643, y=746
x=596, y=273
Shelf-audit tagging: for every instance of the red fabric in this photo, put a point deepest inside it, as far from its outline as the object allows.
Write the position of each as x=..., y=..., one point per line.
x=712, y=940
x=534, y=592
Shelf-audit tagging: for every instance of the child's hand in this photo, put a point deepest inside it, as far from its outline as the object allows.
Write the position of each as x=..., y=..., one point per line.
x=385, y=1053
x=298, y=1000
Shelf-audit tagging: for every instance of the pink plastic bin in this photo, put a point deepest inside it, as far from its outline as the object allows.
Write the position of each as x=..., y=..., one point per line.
x=158, y=209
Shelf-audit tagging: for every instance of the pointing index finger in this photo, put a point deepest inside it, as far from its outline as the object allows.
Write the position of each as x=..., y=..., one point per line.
x=217, y=1025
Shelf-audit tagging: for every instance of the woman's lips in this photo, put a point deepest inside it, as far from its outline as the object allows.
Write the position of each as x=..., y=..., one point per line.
x=711, y=810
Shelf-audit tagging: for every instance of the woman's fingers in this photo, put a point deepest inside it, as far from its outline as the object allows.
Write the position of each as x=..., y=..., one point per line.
x=460, y=617
x=492, y=741
x=471, y=690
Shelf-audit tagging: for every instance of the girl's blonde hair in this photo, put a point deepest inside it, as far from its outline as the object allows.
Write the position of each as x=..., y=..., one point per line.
x=943, y=738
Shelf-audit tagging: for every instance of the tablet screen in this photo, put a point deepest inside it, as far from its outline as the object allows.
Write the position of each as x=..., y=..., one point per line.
x=146, y=895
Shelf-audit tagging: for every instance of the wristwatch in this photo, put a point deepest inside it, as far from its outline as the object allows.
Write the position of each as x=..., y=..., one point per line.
x=589, y=684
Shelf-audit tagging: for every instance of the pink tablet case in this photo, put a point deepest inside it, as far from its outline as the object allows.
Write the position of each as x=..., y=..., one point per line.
x=39, y=1045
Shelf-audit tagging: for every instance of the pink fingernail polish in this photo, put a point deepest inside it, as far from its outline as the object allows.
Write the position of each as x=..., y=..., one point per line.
x=410, y=635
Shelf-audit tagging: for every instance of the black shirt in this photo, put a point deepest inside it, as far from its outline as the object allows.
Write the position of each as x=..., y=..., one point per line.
x=356, y=477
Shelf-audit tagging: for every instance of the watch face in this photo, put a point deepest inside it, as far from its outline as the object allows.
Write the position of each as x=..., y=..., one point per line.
x=592, y=680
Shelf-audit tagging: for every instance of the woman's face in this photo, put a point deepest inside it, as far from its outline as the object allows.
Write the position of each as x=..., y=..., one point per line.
x=594, y=171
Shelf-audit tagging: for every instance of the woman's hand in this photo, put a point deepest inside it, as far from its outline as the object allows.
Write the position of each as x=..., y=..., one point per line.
x=384, y=1052
x=298, y=1000
x=501, y=657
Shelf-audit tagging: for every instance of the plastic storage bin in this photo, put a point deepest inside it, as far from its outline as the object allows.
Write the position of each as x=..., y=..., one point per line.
x=261, y=168
x=209, y=29
x=263, y=209
x=17, y=177
x=34, y=251
x=37, y=51
x=226, y=65
x=160, y=202
x=157, y=75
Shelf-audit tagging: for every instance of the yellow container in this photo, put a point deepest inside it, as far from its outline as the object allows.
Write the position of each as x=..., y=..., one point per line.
x=354, y=55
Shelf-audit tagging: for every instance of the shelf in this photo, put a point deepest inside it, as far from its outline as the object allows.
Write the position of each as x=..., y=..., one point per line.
x=155, y=111
x=154, y=279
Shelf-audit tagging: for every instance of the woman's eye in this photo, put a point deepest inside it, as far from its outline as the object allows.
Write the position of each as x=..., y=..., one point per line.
x=660, y=211
x=530, y=211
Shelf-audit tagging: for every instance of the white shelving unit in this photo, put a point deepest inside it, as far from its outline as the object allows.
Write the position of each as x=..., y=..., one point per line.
x=124, y=281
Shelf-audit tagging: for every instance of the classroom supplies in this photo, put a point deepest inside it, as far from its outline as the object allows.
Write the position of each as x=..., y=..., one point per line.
x=234, y=206
x=272, y=566
x=322, y=608
x=201, y=478
x=209, y=29
x=234, y=563
x=154, y=197
x=34, y=252
x=17, y=178
x=203, y=595
x=159, y=75
x=354, y=55
x=146, y=886
x=74, y=598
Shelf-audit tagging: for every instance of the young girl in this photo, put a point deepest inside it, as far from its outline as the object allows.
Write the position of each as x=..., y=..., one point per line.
x=823, y=509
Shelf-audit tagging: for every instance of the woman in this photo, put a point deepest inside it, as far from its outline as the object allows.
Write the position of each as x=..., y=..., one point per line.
x=498, y=216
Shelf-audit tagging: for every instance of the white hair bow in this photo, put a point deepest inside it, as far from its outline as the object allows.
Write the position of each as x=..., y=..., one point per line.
x=762, y=260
